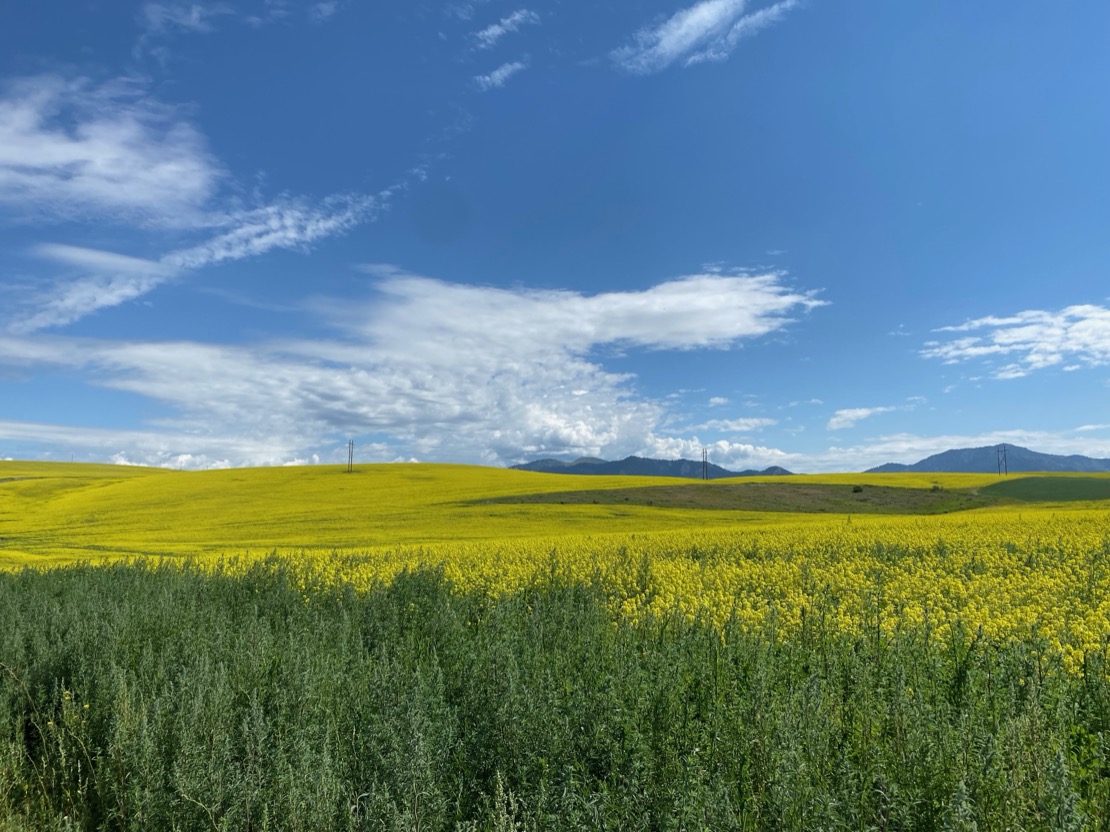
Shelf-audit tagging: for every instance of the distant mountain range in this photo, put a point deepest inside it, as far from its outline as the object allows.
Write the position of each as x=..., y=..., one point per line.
x=638, y=466
x=985, y=461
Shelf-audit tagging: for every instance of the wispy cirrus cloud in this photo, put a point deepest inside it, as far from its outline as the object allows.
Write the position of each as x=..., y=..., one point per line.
x=288, y=223
x=707, y=31
x=1032, y=340
x=162, y=17
x=319, y=12
x=101, y=279
x=499, y=76
x=111, y=153
x=487, y=37
x=432, y=369
x=73, y=149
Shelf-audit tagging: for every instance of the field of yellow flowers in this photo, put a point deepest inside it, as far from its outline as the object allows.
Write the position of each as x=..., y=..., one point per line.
x=1008, y=572
x=419, y=646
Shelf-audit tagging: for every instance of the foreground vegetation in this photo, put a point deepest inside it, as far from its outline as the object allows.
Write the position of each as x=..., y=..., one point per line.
x=157, y=697
x=444, y=647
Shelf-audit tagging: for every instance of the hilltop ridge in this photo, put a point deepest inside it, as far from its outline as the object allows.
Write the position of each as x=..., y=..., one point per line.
x=640, y=466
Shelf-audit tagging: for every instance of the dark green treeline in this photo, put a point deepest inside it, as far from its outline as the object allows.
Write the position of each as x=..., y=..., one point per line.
x=154, y=698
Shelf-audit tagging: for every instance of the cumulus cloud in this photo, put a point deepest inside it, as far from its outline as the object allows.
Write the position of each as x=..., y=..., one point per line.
x=72, y=149
x=1033, y=340
x=433, y=370
x=490, y=35
x=732, y=455
x=707, y=31
x=499, y=76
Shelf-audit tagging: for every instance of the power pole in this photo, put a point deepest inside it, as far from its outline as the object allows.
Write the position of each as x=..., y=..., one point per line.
x=1003, y=465
x=705, y=463
x=350, y=456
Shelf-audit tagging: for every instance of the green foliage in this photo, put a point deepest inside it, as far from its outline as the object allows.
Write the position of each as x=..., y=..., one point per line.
x=141, y=698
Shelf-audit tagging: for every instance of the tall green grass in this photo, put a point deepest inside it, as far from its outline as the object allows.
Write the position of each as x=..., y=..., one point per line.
x=151, y=698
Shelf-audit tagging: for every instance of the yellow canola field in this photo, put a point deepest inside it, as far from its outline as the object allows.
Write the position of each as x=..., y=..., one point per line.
x=1017, y=572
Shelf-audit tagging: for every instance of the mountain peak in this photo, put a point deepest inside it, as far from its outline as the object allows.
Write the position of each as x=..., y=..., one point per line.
x=985, y=460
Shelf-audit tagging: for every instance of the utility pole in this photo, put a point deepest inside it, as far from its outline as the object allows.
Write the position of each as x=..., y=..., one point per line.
x=350, y=456
x=705, y=463
x=1003, y=465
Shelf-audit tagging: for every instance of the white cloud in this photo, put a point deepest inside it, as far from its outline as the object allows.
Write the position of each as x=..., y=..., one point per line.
x=743, y=425
x=107, y=279
x=849, y=417
x=286, y=224
x=161, y=18
x=717, y=401
x=1030, y=341
x=707, y=31
x=690, y=312
x=487, y=37
x=319, y=12
x=499, y=76
x=71, y=149
x=161, y=449
x=428, y=369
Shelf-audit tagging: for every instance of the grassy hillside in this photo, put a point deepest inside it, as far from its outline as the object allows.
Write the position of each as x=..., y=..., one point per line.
x=788, y=497
x=1051, y=489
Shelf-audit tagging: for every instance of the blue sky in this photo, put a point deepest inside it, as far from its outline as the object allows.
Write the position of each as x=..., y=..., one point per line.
x=813, y=234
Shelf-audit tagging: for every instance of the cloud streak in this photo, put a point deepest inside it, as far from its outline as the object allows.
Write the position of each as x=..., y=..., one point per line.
x=106, y=279
x=851, y=416
x=707, y=31
x=488, y=37
x=499, y=76
x=743, y=425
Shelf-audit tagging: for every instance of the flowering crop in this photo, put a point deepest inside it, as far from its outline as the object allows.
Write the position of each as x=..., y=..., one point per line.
x=1017, y=572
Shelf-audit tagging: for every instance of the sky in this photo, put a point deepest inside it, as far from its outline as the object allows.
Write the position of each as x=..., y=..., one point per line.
x=821, y=235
